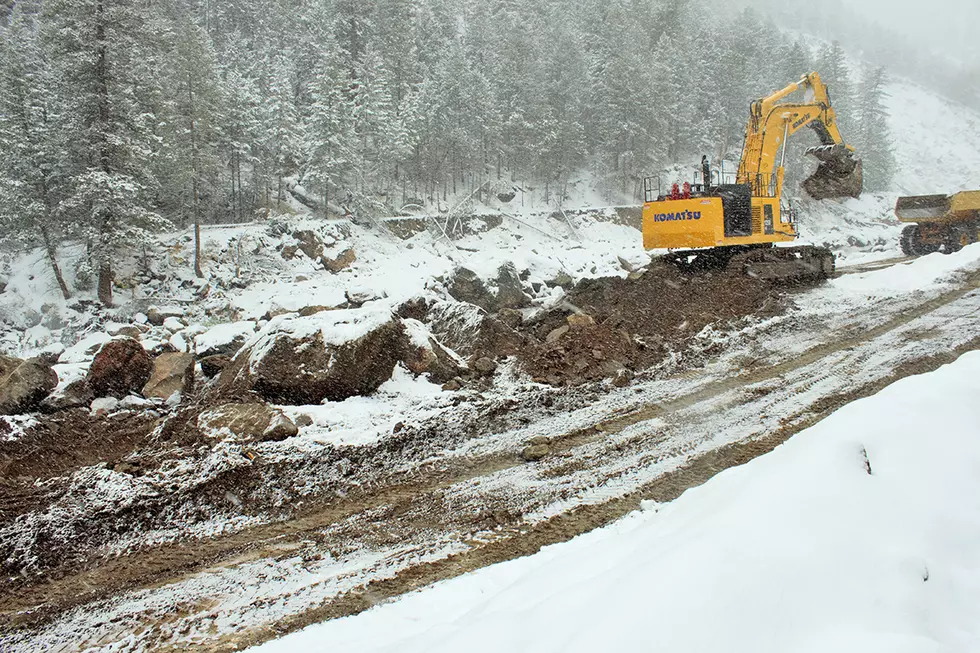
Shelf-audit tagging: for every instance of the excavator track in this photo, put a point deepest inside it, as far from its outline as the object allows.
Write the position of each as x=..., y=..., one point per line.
x=785, y=264
x=777, y=265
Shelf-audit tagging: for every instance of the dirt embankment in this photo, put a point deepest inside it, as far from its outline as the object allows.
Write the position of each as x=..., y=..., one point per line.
x=635, y=321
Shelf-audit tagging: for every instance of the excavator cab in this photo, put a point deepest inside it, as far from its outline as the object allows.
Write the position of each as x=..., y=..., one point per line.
x=736, y=200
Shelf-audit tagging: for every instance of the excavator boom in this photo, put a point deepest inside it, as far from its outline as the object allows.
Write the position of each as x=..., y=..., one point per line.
x=772, y=121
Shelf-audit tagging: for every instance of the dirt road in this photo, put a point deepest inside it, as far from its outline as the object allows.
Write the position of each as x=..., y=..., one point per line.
x=458, y=504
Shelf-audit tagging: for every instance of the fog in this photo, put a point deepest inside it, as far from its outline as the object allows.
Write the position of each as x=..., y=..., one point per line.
x=948, y=27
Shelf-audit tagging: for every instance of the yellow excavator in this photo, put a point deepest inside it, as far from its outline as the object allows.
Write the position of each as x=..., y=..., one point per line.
x=737, y=220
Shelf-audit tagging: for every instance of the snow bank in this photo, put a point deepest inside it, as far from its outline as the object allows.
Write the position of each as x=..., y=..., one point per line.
x=857, y=535
x=920, y=274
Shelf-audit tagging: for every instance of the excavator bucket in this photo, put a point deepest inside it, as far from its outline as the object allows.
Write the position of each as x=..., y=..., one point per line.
x=839, y=174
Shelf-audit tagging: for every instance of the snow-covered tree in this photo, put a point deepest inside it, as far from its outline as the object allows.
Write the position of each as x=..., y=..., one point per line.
x=873, y=139
x=31, y=138
x=96, y=46
x=197, y=107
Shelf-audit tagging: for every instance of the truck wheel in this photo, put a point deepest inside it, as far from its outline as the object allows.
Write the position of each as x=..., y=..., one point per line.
x=953, y=241
x=911, y=241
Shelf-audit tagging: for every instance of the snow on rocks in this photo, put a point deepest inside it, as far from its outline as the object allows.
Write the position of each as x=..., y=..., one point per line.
x=76, y=394
x=24, y=384
x=427, y=355
x=246, y=423
x=471, y=331
x=224, y=339
x=85, y=349
x=158, y=316
x=506, y=290
x=173, y=324
x=329, y=355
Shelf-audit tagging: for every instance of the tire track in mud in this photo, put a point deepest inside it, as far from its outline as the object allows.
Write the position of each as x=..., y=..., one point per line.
x=567, y=525
x=157, y=568
x=872, y=266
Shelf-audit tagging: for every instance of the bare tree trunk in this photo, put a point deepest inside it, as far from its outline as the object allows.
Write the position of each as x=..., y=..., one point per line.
x=53, y=258
x=105, y=280
x=102, y=82
x=198, y=272
x=195, y=172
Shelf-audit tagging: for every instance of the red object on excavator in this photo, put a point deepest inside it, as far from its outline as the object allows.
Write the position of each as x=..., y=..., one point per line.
x=675, y=192
x=687, y=190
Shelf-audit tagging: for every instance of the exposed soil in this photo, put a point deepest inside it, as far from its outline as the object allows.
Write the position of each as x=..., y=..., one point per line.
x=639, y=319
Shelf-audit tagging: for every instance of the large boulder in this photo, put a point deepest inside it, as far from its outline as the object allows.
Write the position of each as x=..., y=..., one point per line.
x=172, y=373
x=246, y=423
x=212, y=366
x=471, y=331
x=309, y=243
x=157, y=315
x=24, y=384
x=508, y=289
x=343, y=261
x=332, y=355
x=505, y=291
x=75, y=395
x=224, y=339
x=121, y=366
x=426, y=355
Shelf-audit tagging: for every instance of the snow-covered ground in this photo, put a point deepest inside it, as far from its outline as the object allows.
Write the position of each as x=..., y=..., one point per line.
x=859, y=534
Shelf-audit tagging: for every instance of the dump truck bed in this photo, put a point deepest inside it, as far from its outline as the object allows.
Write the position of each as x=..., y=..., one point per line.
x=929, y=208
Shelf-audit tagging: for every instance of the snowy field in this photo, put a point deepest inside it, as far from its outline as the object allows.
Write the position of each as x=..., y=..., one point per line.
x=859, y=534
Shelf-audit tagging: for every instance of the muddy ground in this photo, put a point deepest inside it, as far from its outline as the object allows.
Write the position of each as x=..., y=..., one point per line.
x=633, y=324
x=418, y=485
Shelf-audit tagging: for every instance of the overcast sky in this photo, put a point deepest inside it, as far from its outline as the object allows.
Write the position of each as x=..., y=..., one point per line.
x=950, y=25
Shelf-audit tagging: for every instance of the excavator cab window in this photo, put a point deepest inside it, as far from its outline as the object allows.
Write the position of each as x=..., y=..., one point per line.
x=736, y=201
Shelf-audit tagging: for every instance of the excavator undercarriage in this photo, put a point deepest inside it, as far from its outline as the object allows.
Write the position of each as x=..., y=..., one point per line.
x=762, y=262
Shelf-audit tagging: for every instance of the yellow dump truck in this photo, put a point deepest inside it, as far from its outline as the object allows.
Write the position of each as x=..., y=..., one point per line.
x=939, y=222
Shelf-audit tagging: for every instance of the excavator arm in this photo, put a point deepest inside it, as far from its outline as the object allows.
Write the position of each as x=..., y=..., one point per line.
x=772, y=121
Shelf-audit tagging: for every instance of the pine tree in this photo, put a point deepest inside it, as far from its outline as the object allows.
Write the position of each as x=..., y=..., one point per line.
x=835, y=74
x=281, y=123
x=240, y=128
x=198, y=106
x=330, y=129
x=96, y=45
x=31, y=174
x=873, y=140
